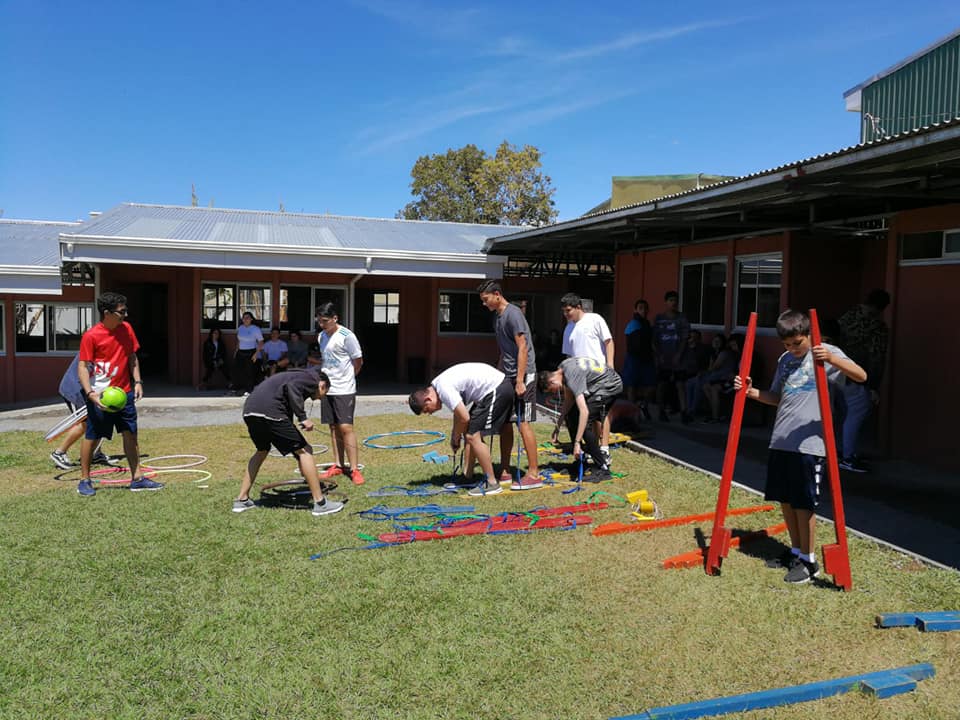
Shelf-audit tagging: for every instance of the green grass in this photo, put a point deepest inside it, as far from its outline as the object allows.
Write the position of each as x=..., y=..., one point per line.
x=167, y=605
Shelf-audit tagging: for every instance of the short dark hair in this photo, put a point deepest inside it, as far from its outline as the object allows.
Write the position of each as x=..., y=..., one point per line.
x=489, y=286
x=571, y=300
x=417, y=399
x=327, y=309
x=793, y=323
x=273, y=330
x=643, y=302
x=108, y=302
x=294, y=332
x=878, y=298
x=670, y=294
x=322, y=378
x=543, y=377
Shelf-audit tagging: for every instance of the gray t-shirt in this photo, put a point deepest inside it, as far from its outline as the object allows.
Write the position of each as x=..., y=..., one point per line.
x=509, y=324
x=587, y=377
x=798, y=427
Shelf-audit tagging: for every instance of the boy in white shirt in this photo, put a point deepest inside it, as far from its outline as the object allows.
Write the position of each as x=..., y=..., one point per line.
x=488, y=392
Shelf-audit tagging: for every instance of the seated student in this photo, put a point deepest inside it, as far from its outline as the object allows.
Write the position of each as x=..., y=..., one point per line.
x=693, y=362
x=296, y=350
x=267, y=413
x=719, y=378
x=214, y=357
x=589, y=388
x=275, y=353
x=490, y=396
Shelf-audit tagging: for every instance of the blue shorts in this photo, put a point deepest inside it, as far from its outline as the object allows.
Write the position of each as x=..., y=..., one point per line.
x=794, y=478
x=101, y=424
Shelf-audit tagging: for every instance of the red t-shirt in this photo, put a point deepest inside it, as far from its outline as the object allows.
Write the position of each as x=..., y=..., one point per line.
x=109, y=351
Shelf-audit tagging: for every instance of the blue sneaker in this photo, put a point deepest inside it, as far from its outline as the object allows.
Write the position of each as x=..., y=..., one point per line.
x=86, y=488
x=145, y=484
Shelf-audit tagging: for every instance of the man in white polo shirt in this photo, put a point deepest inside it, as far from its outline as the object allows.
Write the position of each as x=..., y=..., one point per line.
x=488, y=392
x=342, y=360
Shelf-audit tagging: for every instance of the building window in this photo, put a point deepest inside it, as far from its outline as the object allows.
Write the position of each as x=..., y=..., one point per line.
x=224, y=304
x=758, y=289
x=77, y=274
x=50, y=328
x=298, y=304
x=703, y=291
x=930, y=246
x=386, y=308
x=462, y=312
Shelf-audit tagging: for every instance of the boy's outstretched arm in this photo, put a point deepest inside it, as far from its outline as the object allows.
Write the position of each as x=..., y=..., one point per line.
x=764, y=396
x=845, y=365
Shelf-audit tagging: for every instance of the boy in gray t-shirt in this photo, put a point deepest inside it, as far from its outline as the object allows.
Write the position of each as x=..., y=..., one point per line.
x=589, y=388
x=795, y=465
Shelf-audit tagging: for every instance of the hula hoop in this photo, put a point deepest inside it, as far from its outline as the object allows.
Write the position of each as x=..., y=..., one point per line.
x=292, y=494
x=66, y=423
x=317, y=450
x=93, y=473
x=124, y=480
x=436, y=437
x=206, y=473
x=182, y=466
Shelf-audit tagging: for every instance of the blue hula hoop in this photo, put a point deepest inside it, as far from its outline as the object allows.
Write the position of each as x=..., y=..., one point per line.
x=436, y=437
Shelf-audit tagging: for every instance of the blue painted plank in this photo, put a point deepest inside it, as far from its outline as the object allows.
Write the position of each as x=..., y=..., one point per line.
x=779, y=696
x=893, y=684
x=887, y=620
x=936, y=625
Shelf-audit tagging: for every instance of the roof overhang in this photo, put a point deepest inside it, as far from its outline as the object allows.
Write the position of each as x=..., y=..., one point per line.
x=30, y=280
x=837, y=193
x=78, y=247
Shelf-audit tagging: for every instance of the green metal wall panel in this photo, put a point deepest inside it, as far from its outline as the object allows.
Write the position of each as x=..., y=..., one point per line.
x=924, y=92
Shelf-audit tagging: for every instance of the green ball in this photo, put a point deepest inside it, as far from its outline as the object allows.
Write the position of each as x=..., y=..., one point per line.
x=113, y=399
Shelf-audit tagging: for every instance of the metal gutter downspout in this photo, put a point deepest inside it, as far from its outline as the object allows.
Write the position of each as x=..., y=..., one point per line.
x=351, y=298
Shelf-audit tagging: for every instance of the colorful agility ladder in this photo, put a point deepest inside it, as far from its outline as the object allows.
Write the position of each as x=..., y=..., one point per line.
x=836, y=557
x=883, y=684
x=720, y=539
x=615, y=528
x=695, y=557
x=558, y=517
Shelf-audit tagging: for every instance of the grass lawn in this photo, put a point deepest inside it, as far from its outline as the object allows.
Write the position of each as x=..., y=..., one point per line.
x=167, y=605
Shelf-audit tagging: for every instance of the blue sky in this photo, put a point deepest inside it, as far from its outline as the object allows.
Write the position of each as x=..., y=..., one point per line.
x=325, y=106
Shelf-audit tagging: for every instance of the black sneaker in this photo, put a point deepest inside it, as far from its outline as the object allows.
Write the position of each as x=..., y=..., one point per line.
x=645, y=411
x=801, y=572
x=853, y=464
x=784, y=560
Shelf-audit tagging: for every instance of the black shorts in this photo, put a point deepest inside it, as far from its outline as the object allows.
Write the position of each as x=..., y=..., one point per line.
x=279, y=433
x=665, y=375
x=488, y=414
x=525, y=408
x=337, y=409
x=794, y=478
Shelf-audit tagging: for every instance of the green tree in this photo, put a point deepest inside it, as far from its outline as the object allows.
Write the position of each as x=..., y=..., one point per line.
x=467, y=185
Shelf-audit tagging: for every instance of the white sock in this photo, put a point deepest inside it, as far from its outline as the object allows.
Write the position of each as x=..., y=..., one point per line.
x=806, y=558
x=605, y=448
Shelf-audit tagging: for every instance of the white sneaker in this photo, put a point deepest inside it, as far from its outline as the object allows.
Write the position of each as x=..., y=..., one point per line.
x=61, y=460
x=327, y=507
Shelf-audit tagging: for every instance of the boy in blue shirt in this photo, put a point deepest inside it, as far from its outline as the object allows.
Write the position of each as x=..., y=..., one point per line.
x=797, y=449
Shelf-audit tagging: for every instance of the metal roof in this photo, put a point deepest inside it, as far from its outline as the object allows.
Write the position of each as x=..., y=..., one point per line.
x=30, y=256
x=259, y=228
x=136, y=233
x=833, y=192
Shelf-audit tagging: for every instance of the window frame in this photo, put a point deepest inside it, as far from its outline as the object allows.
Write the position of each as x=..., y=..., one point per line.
x=461, y=333
x=714, y=260
x=386, y=307
x=314, y=291
x=945, y=258
x=761, y=329
x=49, y=327
x=264, y=323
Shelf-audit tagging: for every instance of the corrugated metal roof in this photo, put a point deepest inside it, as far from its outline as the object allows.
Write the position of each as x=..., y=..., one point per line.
x=266, y=229
x=32, y=243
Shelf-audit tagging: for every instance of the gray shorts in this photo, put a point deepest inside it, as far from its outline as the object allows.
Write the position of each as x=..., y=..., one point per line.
x=338, y=409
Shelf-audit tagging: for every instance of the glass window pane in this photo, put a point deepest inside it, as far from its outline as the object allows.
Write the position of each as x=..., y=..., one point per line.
x=67, y=325
x=481, y=319
x=714, y=294
x=218, y=310
x=768, y=307
x=746, y=304
x=30, y=324
x=453, y=317
x=951, y=242
x=393, y=298
x=296, y=312
x=691, y=282
x=921, y=246
x=256, y=300
x=379, y=298
x=379, y=314
x=393, y=315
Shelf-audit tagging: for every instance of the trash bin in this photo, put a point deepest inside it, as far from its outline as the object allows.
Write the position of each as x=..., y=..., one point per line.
x=417, y=370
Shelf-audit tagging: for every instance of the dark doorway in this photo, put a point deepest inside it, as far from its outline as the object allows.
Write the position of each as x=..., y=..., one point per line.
x=377, y=326
x=149, y=316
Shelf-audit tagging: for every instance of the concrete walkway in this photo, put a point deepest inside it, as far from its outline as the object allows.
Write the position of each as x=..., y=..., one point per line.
x=910, y=507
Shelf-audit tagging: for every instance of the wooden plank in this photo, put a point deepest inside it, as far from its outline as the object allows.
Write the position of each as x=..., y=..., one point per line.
x=889, y=620
x=617, y=527
x=937, y=625
x=783, y=696
x=888, y=686
x=695, y=557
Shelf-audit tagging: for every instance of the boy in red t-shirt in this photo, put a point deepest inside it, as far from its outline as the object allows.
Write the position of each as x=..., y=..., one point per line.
x=110, y=348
